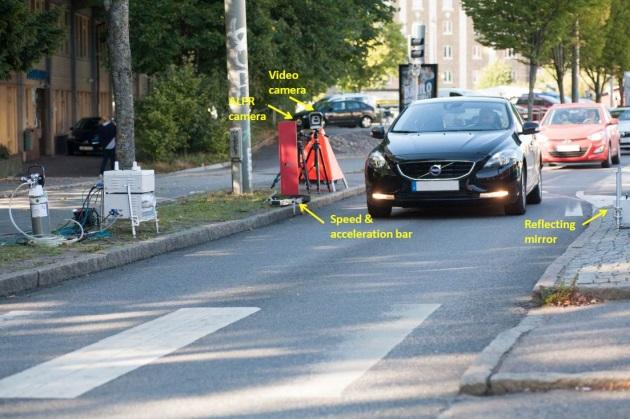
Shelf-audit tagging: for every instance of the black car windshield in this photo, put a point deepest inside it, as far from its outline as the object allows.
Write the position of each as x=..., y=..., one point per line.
x=573, y=116
x=87, y=123
x=453, y=116
x=321, y=105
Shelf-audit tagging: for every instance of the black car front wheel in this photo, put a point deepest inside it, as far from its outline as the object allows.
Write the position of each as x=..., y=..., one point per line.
x=535, y=196
x=379, y=211
x=520, y=205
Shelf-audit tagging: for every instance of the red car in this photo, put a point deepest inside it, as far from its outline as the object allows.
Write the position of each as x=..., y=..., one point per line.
x=580, y=133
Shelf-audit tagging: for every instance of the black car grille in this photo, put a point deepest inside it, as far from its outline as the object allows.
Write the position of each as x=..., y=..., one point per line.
x=568, y=153
x=448, y=169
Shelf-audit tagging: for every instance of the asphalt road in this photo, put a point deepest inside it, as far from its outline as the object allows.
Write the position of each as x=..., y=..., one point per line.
x=307, y=326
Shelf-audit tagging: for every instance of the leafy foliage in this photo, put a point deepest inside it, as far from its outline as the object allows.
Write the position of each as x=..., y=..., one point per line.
x=385, y=53
x=498, y=73
x=324, y=41
x=26, y=36
x=617, y=51
x=594, y=27
x=530, y=27
x=183, y=113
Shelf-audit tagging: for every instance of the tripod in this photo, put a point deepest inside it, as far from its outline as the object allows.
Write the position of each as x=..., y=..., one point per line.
x=316, y=161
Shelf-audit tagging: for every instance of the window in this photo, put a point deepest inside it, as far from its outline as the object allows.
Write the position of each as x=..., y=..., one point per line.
x=448, y=52
x=353, y=106
x=64, y=24
x=509, y=53
x=38, y=5
x=454, y=116
x=417, y=5
x=81, y=36
x=448, y=77
x=101, y=41
x=447, y=27
x=447, y=4
x=476, y=52
x=338, y=106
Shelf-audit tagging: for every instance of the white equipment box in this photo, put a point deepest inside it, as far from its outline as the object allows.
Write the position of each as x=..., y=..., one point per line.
x=130, y=194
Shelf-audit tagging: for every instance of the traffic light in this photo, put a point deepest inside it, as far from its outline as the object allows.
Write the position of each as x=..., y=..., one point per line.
x=416, y=46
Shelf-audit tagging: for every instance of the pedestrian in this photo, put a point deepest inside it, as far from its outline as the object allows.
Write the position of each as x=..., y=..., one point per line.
x=107, y=138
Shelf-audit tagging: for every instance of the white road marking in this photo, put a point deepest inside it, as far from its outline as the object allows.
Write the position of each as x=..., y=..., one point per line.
x=360, y=352
x=78, y=372
x=11, y=317
x=573, y=209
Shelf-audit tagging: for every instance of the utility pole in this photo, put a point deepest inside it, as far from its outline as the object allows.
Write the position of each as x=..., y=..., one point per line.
x=575, y=65
x=238, y=77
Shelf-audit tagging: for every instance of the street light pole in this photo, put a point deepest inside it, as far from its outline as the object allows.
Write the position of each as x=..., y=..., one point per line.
x=238, y=77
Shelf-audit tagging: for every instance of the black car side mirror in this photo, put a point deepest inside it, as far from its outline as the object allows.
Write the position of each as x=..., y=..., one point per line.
x=530, y=128
x=378, y=132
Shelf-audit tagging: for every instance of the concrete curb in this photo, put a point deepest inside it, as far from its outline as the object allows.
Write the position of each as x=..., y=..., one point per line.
x=14, y=282
x=477, y=378
x=503, y=383
x=549, y=278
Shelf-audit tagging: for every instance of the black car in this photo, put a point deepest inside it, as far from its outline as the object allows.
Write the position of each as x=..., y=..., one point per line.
x=455, y=150
x=83, y=137
x=340, y=112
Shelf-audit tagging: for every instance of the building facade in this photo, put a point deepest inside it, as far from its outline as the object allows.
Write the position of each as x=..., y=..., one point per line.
x=450, y=42
x=43, y=103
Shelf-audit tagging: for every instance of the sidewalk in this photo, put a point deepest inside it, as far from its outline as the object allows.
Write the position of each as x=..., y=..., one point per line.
x=563, y=361
x=598, y=263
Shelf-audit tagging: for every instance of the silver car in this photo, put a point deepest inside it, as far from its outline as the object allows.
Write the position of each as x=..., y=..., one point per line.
x=623, y=115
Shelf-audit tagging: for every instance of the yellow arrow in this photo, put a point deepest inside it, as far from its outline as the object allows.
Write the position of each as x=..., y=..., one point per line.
x=287, y=115
x=304, y=207
x=601, y=213
x=306, y=106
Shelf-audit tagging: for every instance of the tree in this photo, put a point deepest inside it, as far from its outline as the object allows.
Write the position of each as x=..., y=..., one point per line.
x=560, y=58
x=120, y=67
x=25, y=36
x=529, y=27
x=617, y=50
x=498, y=73
x=594, y=27
x=385, y=53
x=324, y=41
x=183, y=113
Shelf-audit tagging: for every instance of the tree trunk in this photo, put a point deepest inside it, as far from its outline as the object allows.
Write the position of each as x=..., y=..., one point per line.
x=575, y=65
x=559, y=66
x=598, y=89
x=120, y=67
x=533, y=70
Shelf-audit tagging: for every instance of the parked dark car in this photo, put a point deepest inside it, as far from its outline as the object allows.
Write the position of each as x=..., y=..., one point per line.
x=83, y=137
x=452, y=151
x=340, y=112
x=542, y=103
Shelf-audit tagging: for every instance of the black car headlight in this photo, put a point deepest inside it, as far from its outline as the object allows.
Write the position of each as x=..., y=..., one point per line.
x=376, y=160
x=501, y=159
